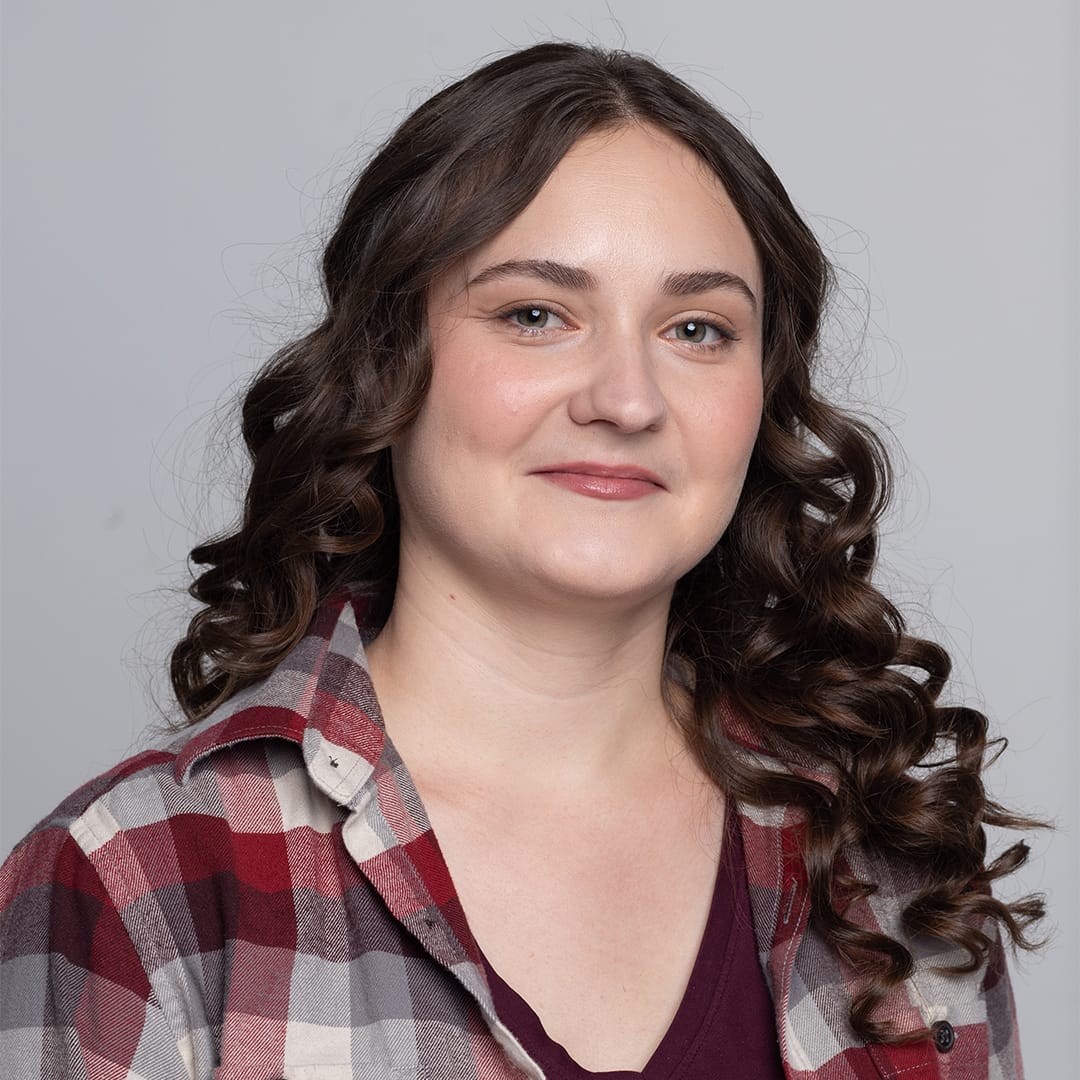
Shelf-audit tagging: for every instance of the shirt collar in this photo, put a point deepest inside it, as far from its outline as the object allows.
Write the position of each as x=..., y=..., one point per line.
x=319, y=697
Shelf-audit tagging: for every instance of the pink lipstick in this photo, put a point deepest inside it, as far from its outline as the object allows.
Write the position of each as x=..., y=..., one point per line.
x=602, y=481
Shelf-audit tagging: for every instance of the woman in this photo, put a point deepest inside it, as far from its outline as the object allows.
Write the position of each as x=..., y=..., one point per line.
x=546, y=719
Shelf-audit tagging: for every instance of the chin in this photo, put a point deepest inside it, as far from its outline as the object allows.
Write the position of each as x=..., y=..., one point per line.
x=615, y=579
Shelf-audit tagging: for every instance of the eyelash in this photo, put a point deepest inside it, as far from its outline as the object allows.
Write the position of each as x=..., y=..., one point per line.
x=727, y=337
x=527, y=331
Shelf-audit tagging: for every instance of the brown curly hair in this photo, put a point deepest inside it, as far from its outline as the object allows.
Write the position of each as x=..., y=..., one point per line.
x=781, y=619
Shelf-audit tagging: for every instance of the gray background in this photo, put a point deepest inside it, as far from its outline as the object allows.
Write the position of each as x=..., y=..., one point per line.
x=169, y=169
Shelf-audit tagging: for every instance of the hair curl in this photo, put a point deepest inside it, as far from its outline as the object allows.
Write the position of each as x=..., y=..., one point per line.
x=782, y=618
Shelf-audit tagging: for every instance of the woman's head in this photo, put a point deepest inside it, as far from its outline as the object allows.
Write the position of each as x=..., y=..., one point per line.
x=463, y=166
x=320, y=419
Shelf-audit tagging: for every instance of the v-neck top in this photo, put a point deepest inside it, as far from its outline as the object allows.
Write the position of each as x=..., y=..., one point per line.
x=726, y=1019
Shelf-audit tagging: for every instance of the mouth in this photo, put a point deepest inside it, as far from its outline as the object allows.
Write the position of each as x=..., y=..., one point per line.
x=620, y=481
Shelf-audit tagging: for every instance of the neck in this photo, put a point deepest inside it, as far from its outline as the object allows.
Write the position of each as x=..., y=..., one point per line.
x=553, y=694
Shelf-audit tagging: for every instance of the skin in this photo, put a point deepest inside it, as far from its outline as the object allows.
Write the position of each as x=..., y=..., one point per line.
x=520, y=670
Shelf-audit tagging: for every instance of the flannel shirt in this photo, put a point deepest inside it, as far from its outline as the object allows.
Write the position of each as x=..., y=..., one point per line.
x=264, y=898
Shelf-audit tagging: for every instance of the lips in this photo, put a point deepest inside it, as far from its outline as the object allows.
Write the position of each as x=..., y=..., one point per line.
x=601, y=481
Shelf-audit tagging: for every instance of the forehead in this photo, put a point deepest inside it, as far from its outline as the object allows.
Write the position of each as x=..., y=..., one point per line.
x=626, y=200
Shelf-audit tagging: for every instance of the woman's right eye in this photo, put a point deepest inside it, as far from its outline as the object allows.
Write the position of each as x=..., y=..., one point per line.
x=533, y=317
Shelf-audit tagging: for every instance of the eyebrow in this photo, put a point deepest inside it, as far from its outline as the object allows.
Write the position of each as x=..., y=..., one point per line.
x=700, y=281
x=557, y=273
x=684, y=283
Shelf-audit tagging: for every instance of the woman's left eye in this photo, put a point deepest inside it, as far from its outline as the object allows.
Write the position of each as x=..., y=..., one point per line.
x=533, y=317
x=699, y=332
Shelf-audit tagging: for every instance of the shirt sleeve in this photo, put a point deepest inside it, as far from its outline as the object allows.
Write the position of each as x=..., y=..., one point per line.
x=1003, y=1042
x=75, y=999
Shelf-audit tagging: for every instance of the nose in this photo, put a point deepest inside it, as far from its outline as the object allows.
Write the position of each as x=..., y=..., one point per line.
x=619, y=386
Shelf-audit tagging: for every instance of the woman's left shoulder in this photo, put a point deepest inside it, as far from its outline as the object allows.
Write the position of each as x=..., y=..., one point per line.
x=967, y=1004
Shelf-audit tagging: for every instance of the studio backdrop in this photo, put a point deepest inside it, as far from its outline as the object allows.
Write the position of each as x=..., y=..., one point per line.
x=170, y=170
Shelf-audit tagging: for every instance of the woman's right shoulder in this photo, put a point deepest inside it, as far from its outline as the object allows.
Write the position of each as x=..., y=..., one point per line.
x=121, y=796
x=135, y=826
x=123, y=897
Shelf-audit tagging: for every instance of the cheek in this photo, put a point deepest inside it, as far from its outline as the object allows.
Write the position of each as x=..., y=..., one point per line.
x=727, y=428
x=484, y=406
x=467, y=419
x=748, y=417
x=458, y=407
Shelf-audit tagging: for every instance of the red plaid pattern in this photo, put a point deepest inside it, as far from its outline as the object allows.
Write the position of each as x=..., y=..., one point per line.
x=265, y=898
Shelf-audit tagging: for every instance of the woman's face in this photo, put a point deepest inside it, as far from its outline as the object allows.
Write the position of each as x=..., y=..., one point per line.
x=596, y=384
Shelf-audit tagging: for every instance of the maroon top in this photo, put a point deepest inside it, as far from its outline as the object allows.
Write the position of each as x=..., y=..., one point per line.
x=725, y=1020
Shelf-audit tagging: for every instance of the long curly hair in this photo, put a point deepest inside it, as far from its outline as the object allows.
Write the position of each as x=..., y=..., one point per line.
x=781, y=620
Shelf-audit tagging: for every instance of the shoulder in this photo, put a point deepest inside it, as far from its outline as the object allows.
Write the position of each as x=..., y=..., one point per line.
x=968, y=1009
x=135, y=894
x=289, y=752
x=54, y=855
x=138, y=827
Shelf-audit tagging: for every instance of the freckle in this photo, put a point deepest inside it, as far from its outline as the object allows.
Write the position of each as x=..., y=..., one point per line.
x=452, y=596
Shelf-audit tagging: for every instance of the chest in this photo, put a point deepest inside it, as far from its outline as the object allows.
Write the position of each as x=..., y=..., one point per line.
x=349, y=974
x=596, y=928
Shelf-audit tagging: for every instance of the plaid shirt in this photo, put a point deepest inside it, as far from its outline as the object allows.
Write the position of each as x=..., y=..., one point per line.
x=265, y=898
